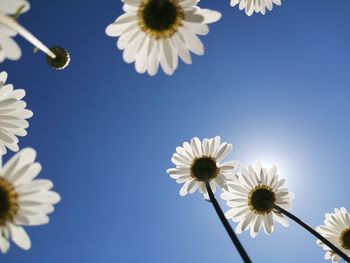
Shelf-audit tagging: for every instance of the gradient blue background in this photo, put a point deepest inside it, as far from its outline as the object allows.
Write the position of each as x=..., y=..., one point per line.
x=276, y=86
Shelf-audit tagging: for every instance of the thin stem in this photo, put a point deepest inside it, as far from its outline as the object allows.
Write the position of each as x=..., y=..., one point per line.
x=14, y=25
x=227, y=226
x=312, y=231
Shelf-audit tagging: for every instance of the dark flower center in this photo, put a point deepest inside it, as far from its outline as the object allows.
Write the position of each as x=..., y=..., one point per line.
x=345, y=239
x=8, y=202
x=159, y=15
x=61, y=60
x=261, y=199
x=4, y=204
x=204, y=168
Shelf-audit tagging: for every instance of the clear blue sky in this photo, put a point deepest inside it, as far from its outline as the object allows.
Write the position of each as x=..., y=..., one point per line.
x=276, y=86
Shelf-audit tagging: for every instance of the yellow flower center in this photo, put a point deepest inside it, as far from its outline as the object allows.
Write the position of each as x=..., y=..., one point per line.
x=345, y=239
x=160, y=18
x=8, y=201
x=204, y=168
x=260, y=199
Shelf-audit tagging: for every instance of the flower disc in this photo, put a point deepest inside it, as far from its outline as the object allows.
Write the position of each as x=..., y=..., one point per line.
x=204, y=169
x=8, y=201
x=261, y=198
x=62, y=59
x=345, y=239
x=160, y=18
x=252, y=197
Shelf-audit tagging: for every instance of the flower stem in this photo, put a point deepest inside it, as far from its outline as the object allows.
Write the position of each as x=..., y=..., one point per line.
x=14, y=25
x=227, y=226
x=312, y=231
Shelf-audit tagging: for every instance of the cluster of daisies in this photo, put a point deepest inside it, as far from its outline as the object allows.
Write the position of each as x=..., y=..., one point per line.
x=251, y=193
x=155, y=33
x=24, y=199
x=151, y=33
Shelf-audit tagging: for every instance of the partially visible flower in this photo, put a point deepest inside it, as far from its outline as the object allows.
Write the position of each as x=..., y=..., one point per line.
x=153, y=32
x=13, y=115
x=9, y=49
x=199, y=161
x=24, y=200
x=257, y=6
x=57, y=57
x=252, y=197
x=336, y=229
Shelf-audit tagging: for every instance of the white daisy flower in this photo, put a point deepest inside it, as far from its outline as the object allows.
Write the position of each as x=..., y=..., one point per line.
x=24, y=200
x=9, y=49
x=13, y=115
x=199, y=161
x=57, y=57
x=251, y=198
x=153, y=32
x=257, y=6
x=336, y=229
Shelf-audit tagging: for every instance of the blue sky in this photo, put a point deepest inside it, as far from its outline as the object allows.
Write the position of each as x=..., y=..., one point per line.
x=276, y=86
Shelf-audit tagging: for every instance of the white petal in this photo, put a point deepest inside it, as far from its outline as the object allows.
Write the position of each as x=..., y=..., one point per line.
x=128, y=36
x=35, y=186
x=19, y=237
x=268, y=223
x=192, y=41
x=10, y=7
x=210, y=16
x=130, y=52
x=24, y=157
x=221, y=154
x=185, y=188
x=3, y=77
x=141, y=57
x=25, y=174
x=153, y=59
x=281, y=219
x=120, y=25
x=41, y=197
x=166, y=56
x=196, y=146
x=182, y=50
x=4, y=240
x=10, y=47
x=229, y=165
x=34, y=219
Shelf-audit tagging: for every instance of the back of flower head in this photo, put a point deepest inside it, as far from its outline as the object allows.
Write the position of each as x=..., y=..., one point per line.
x=10, y=10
